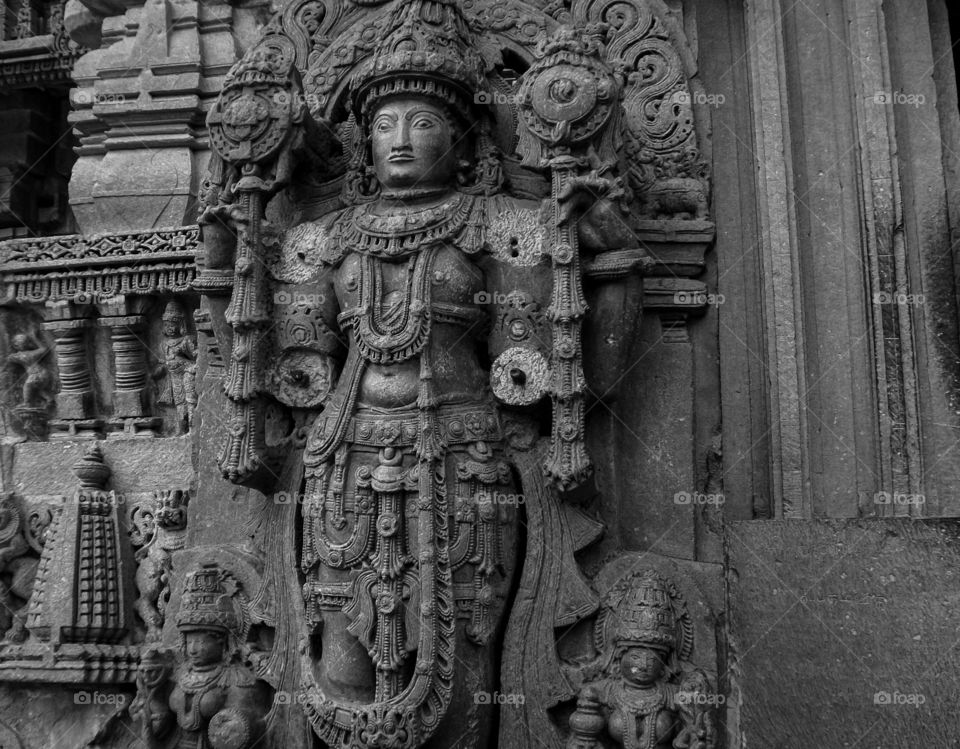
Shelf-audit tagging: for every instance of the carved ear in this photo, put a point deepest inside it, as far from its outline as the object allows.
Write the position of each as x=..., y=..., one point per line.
x=231, y=586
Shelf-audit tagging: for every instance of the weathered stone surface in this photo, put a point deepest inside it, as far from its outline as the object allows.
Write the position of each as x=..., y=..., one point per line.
x=844, y=633
x=139, y=465
x=59, y=717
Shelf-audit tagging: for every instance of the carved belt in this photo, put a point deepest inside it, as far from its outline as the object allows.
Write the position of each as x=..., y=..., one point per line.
x=458, y=425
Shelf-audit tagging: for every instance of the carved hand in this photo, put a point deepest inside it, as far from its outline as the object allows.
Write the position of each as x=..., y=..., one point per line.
x=581, y=193
x=597, y=202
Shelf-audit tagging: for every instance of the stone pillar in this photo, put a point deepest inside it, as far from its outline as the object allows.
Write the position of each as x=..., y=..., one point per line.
x=75, y=416
x=139, y=111
x=780, y=260
x=131, y=407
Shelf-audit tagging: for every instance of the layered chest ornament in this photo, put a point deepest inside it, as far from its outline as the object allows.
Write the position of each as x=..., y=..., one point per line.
x=391, y=323
x=395, y=330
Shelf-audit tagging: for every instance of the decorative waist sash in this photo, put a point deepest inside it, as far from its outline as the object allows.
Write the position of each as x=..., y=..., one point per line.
x=458, y=424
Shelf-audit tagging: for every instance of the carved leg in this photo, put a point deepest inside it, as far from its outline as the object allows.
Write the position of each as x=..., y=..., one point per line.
x=148, y=580
x=6, y=610
x=344, y=670
x=24, y=572
x=475, y=700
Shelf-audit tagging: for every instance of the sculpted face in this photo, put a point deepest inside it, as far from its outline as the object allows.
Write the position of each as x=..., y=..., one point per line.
x=641, y=666
x=412, y=144
x=204, y=647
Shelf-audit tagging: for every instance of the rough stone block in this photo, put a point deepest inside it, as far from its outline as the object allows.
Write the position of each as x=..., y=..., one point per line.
x=844, y=633
x=137, y=465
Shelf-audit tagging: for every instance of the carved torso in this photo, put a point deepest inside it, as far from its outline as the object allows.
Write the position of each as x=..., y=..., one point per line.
x=410, y=506
x=643, y=718
x=441, y=283
x=201, y=694
x=179, y=353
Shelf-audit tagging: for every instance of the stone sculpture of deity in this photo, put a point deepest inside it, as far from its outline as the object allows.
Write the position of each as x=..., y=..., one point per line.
x=409, y=535
x=419, y=339
x=179, y=366
x=649, y=694
x=203, y=696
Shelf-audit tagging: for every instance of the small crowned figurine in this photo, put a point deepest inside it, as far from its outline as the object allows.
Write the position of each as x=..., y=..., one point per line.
x=179, y=365
x=652, y=697
x=214, y=700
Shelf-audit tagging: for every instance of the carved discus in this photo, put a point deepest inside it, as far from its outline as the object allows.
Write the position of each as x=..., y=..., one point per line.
x=519, y=376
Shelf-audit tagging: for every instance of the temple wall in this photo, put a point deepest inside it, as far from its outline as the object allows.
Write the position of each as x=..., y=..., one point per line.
x=785, y=447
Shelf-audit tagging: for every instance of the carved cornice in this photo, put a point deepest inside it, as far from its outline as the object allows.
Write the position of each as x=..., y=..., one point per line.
x=43, y=60
x=91, y=269
x=94, y=268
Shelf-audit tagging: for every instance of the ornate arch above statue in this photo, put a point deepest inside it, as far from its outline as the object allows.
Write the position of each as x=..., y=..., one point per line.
x=665, y=133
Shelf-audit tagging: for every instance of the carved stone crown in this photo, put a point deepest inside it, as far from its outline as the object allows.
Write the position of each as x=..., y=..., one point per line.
x=263, y=67
x=173, y=312
x=645, y=616
x=207, y=601
x=427, y=49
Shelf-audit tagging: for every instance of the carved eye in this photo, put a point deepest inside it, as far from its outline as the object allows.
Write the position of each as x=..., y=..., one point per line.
x=424, y=123
x=383, y=125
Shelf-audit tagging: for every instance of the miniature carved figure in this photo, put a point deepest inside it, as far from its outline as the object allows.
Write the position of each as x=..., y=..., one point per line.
x=32, y=357
x=158, y=531
x=652, y=697
x=211, y=699
x=179, y=366
x=18, y=568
